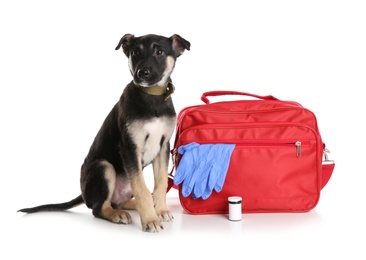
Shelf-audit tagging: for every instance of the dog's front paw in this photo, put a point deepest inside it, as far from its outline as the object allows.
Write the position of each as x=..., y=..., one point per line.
x=165, y=216
x=152, y=227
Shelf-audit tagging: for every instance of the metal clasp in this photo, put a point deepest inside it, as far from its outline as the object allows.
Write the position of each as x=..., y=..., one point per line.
x=326, y=158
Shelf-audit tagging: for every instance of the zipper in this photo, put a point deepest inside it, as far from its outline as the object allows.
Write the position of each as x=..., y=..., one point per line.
x=297, y=144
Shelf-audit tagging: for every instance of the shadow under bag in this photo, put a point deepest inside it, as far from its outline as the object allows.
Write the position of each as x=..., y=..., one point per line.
x=279, y=163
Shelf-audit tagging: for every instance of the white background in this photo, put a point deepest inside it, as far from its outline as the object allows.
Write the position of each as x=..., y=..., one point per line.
x=60, y=76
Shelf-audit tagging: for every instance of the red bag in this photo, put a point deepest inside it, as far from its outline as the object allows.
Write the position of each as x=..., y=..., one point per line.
x=276, y=165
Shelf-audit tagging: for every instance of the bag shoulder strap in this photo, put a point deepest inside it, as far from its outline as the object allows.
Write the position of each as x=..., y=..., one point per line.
x=327, y=170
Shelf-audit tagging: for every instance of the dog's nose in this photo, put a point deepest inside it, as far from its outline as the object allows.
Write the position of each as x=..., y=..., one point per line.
x=143, y=73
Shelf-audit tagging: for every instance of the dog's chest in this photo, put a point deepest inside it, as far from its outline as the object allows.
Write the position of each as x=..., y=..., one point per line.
x=150, y=135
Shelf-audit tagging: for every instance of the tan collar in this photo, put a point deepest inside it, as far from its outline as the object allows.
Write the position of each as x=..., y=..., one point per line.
x=166, y=90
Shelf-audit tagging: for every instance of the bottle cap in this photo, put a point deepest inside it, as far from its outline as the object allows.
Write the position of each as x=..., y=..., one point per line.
x=234, y=200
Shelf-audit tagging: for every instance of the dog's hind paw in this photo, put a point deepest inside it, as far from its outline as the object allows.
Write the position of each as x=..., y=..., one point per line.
x=152, y=227
x=165, y=216
x=119, y=217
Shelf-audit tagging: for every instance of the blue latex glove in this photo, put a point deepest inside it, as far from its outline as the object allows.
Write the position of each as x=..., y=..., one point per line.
x=186, y=167
x=203, y=168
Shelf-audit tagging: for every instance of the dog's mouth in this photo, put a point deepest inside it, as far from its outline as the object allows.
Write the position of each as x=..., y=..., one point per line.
x=144, y=83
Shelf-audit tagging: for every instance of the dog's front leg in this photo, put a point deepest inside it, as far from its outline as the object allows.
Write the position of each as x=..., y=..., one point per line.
x=160, y=168
x=144, y=204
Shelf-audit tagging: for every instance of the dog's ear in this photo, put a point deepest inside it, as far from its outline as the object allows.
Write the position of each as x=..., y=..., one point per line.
x=126, y=43
x=179, y=44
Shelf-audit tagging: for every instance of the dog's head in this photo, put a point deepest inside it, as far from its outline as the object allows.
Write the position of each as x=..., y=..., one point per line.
x=151, y=58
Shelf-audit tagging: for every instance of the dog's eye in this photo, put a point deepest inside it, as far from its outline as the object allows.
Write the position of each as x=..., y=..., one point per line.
x=159, y=52
x=135, y=52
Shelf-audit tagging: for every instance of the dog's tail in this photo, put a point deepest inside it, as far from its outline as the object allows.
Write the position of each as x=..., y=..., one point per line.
x=55, y=207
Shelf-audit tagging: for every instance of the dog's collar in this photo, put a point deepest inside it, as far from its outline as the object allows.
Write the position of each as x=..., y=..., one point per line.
x=166, y=90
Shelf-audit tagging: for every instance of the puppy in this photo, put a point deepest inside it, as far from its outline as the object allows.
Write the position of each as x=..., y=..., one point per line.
x=135, y=133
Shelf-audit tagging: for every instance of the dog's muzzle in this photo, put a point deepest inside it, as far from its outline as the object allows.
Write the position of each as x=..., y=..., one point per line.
x=146, y=77
x=143, y=74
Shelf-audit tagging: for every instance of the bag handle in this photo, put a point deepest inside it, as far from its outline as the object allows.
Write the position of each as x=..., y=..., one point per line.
x=223, y=93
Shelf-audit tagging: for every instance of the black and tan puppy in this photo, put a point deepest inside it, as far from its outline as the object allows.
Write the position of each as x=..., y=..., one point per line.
x=135, y=134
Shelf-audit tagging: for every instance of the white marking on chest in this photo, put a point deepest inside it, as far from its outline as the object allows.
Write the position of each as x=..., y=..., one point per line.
x=147, y=135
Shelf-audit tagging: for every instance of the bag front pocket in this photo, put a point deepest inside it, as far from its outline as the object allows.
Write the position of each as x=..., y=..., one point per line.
x=274, y=167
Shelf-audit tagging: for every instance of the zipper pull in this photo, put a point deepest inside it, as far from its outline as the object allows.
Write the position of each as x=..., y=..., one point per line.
x=174, y=155
x=298, y=148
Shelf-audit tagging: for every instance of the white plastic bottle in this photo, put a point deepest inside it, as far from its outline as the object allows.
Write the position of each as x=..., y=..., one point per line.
x=234, y=208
